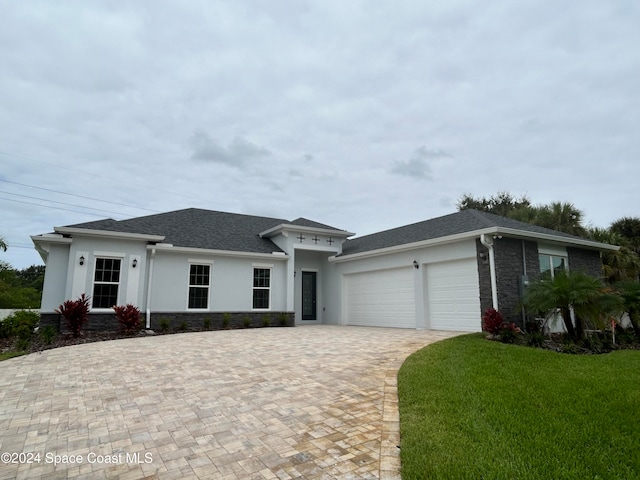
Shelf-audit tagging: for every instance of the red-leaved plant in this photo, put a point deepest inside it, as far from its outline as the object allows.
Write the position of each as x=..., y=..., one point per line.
x=76, y=314
x=492, y=321
x=128, y=317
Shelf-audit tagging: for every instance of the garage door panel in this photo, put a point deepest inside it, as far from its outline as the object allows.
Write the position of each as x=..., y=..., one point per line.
x=382, y=298
x=452, y=295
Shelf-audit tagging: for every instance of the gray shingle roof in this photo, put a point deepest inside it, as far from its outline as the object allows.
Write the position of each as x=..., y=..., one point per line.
x=455, y=223
x=206, y=229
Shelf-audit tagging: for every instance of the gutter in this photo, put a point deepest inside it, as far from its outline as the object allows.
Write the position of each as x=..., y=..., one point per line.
x=492, y=268
x=149, y=282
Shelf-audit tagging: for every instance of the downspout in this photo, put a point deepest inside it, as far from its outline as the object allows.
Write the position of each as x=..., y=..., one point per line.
x=149, y=282
x=492, y=270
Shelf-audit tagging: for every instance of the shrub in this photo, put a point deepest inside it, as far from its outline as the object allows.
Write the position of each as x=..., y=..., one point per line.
x=509, y=332
x=226, y=319
x=492, y=321
x=75, y=313
x=207, y=322
x=128, y=318
x=48, y=333
x=20, y=324
x=284, y=319
x=183, y=326
x=165, y=324
x=266, y=320
x=246, y=321
x=535, y=339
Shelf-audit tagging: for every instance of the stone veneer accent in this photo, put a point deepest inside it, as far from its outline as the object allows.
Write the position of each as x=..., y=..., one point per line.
x=509, y=268
x=587, y=261
x=192, y=320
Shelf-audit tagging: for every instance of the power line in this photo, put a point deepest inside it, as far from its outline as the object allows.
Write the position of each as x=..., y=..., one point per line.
x=62, y=203
x=49, y=206
x=77, y=195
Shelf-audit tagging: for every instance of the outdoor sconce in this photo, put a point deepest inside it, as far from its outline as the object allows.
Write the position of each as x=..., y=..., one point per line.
x=81, y=259
x=134, y=263
x=416, y=265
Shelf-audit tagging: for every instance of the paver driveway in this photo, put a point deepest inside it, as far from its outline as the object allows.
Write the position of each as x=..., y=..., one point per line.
x=303, y=402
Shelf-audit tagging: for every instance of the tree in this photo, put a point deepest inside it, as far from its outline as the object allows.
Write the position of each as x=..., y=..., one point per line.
x=561, y=216
x=628, y=228
x=503, y=203
x=618, y=265
x=3, y=244
x=577, y=292
x=630, y=293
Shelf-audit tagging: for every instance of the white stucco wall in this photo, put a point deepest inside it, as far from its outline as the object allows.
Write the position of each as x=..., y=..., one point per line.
x=231, y=287
x=55, y=278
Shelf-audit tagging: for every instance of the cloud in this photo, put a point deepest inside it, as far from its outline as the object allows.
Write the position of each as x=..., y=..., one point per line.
x=235, y=154
x=418, y=165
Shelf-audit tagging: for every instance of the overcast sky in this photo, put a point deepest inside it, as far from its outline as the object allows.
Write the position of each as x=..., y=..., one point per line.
x=364, y=115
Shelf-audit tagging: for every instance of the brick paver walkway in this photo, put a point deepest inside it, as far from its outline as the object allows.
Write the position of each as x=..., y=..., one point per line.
x=278, y=403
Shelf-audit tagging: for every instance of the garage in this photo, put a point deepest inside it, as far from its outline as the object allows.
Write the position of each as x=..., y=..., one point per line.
x=452, y=296
x=381, y=298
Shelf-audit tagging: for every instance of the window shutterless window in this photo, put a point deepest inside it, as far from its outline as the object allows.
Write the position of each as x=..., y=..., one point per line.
x=106, y=282
x=551, y=265
x=199, y=283
x=261, y=288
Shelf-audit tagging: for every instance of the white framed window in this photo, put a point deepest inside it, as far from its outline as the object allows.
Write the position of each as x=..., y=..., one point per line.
x=551, y=265
x=261, y=288
x=106, y=282
x=199, y=286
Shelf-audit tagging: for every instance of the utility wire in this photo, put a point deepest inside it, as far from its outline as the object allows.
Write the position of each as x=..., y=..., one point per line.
x=79, y=196
x=62, y=203
x=49, y=206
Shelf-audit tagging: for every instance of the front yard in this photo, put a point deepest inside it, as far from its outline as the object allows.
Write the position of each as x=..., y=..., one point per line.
x=471, y=408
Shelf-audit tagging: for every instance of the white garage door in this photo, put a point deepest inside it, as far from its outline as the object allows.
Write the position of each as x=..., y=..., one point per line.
x=382, y=298
x=453, y=298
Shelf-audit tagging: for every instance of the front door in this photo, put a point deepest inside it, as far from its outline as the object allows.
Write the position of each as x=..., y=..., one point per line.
x=309, y=295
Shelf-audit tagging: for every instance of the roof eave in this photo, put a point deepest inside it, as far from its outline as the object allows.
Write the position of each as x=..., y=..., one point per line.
x=299, y=228
x=511, y=232
x=109, y=234
x=167, y=247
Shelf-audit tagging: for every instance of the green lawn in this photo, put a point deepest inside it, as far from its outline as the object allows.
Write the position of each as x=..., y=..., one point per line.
x=471, y=408
x=7, y=355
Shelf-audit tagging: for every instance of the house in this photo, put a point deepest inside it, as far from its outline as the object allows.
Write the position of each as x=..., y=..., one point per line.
x=189, y=264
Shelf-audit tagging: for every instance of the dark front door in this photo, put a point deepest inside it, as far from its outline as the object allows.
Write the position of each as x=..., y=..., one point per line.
x=309, y=295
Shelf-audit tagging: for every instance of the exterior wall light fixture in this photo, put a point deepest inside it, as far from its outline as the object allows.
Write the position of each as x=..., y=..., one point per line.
x=81, y=259
x=134, y=264
x=416, y=265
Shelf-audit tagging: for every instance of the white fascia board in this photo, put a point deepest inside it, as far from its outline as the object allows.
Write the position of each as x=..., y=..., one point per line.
x=413, y=246
x=50, y=238
x=547, y=237
x=211, y=252
x=108, y=234
x=299, y=228
x=511, y=232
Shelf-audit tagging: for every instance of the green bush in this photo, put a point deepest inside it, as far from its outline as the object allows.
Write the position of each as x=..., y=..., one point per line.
x=183, y=326
x=226, y=319
x=246, y=321
x=535, y=339
x=20, y=324
x=266, y=320
x=48, y=334
x=284, y=319
x=207, y=322
x=165, y=324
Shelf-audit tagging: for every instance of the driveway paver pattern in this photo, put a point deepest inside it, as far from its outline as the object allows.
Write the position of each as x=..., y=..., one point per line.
x=312, y=402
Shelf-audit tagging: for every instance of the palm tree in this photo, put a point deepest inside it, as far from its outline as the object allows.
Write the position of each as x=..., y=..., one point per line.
x=629, y=228
x=568, y=292
x=561, y=216
x=630, y=293
x=622, y=264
